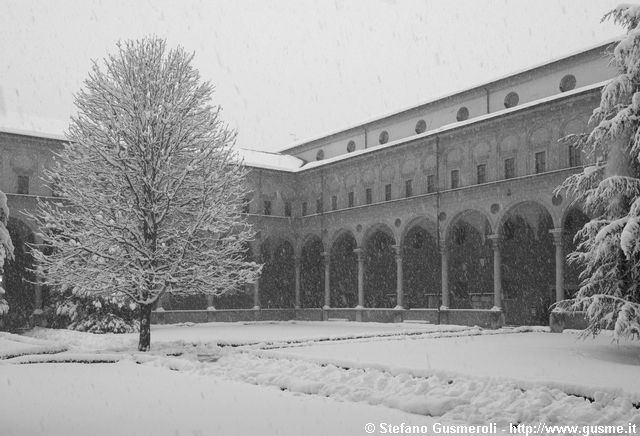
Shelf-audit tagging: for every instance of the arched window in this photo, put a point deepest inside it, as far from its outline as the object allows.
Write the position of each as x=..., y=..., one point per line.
x=384, y=137
x=463, y=114
x=567, y=83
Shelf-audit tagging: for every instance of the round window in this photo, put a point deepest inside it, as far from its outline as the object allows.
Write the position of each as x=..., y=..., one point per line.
x=384, y=137
x=463, y=114
x=567, y=83
x=421, y=126
x=511, y=99
x=320, y=155
x=351, y=145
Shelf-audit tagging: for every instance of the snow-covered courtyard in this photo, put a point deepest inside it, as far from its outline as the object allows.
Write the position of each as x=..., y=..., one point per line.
x=315, y=378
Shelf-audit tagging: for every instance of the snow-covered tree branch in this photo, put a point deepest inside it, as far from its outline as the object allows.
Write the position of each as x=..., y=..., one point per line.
x=150, y=187
x=6, y=248
x=609, y=190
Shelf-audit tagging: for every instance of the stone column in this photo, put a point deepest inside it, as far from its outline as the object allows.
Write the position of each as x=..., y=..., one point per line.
x=38, y=300
x=256, y=294
x=38, y=303
x=359, y=252
x=210, y=302
x=327, y=275
x=444, y=266
x=557, y=241
x=296, y=261
x=399, y=289
x=497, y=270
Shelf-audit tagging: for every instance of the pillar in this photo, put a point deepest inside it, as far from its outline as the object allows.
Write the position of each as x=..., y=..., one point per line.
x=256, y=294
x=497, y=270
x=359, y=252
x=444, y=261
x=210, y=302
x=38, y=297
x=557, y=242
x=399, y=289
x=296, y=261
x=327, y=284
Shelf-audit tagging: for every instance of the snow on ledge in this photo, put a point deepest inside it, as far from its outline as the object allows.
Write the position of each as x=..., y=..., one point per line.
x=272, y=161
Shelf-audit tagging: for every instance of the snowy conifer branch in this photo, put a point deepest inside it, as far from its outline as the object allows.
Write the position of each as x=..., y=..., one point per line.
x=609, y=245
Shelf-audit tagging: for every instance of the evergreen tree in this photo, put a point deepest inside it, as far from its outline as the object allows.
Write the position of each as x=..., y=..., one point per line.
x=151, y=190
x=609, y=245
x=6, y=249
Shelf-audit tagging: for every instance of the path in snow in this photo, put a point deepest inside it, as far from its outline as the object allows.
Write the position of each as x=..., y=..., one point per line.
x=462, y=399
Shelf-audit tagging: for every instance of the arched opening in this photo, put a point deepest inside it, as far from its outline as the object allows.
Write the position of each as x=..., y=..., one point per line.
x=573, y=223
x=242, y=296
x=277, y=282
x=470, y=262
x=343, y=272
x=312, y=274
x=379, y=270
x=528, y=266
x=421, y=269
x=18, y=280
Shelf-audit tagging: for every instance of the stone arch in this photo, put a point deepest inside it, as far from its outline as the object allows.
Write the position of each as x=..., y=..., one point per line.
x=421, y=264
x=339, y=234
x=470, y=261
x=17, y=277
x=312, y=271
x=528, y=268
x=427, y=224
x=375, y=228
x=277, y=281
x=343, y=270
x=379, y=266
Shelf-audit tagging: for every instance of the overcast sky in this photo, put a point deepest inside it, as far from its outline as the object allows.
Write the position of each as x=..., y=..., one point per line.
x=287, y=70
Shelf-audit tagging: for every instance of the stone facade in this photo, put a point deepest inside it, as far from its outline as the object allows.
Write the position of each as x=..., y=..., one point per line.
x=437, y=221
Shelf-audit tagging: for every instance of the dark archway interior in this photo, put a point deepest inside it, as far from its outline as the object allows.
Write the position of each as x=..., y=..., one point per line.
x=380, y=271
x=470, y=265
x=344, y=272
x=528, y=266
x=277, y=282
x=20, y=292
x=242, y=296
x=312, y=274
x=421, y=269
x=573, y=223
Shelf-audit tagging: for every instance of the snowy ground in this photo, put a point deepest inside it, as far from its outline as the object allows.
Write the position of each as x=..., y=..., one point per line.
x=317, y=378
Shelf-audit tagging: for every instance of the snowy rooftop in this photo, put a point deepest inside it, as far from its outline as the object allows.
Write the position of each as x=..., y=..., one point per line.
x=57, y=137
x=288, y=163
x=272, y=161
x=300, y=143
x=456, y=125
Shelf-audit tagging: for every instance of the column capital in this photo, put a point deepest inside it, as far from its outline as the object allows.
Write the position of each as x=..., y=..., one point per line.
x=360, y=253
x=398, y=250
x=444, y=248
x=297, y=260
x=557, y=235
x=496, y=240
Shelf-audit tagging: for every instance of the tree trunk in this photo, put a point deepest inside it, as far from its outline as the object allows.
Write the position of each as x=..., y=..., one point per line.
x=145, y=328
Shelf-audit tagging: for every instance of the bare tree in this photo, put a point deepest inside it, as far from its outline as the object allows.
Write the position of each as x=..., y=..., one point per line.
x=150, y=189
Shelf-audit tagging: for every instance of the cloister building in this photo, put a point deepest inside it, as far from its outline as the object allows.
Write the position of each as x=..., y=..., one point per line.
x=442, y=212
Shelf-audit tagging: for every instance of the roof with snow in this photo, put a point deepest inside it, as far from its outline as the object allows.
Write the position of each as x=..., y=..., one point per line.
x=272, y=161
x=456, y=125
x=300, y=144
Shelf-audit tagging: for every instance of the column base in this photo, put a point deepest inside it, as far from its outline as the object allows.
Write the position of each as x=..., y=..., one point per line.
x=37, y=319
